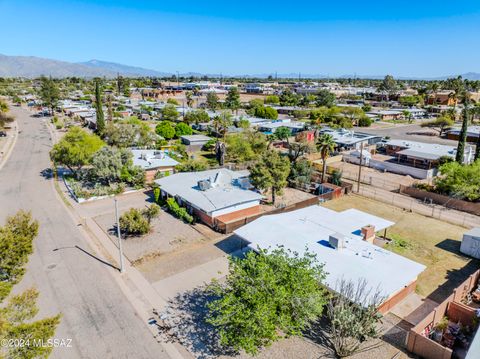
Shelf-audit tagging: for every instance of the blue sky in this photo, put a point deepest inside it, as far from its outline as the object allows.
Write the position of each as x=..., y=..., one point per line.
x=405, y=38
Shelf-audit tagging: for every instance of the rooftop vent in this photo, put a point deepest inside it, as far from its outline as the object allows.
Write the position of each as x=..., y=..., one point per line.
x=337, y=241
x=204, y=185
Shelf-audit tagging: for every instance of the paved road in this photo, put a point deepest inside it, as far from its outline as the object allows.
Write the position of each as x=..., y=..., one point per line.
x=408, y=132
x=96, y=315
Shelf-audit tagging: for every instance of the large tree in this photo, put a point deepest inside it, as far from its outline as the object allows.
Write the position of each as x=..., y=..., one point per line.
x=165, y=129
x=99, y=108
x=440, y=124
x=266, y=295
x=462, y=138
x=212, y=101
x=170, y=113
x=325, y=98
x=49, y=93
x=271, y=172
x=75, y=149
x=325, y=145
x=388, y=86
x=17, y=314
x=232, y=101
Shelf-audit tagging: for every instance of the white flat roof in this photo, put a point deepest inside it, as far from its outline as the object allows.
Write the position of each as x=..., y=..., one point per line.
x=226, y=192
x=148, y=159
x=431, y=151
x=309, y=229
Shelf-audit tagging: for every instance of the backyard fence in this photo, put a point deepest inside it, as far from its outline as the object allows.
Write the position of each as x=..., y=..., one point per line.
x=417, y=206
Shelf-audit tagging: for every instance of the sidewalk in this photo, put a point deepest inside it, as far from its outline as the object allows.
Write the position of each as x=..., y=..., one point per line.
x=139, y=292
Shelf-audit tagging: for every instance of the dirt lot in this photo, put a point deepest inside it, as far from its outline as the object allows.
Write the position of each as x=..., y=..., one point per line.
x=287, y=198
x=429, y=241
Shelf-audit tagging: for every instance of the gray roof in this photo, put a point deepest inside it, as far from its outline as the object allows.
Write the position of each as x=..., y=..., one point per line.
x=196, y=138
x=225, y=191
x=430, y=151
x=149, y=159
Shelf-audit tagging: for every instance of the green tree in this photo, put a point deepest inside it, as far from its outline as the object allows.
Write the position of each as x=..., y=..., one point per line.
x=266, y=112
x=232, y=100
x=388, y=86
x=75, y=149
x=165, y=129
x=170, y=113
x=49, y=93
x=99, y=108
x=459, y=181
x=173, y=101
x=325, y=145
x=288, y=98
x=266, y=294
x=182, y=129
x=462, y=138
x=272, y=99
x=17, y=314
x=212, y=101
x=325, y=98
x=222, y=122
x=440, y=124
x=189, y=98
x=271, y=172
x=198, y=116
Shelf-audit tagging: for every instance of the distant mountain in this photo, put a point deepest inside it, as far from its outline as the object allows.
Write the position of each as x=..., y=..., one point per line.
x=30, y=66
x=123, y=70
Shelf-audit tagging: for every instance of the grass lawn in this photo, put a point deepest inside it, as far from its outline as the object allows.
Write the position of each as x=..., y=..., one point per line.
x=429, y=241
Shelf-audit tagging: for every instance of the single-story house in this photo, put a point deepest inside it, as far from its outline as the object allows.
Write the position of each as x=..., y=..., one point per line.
x=293, y=126
x=343, y=242
x=195, y=142
x=218, y=195
x=422, y=154
x=472, y=133
x=153, y=162
x=348, y=139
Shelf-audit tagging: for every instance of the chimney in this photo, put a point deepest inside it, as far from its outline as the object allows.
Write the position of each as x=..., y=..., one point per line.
x=368, y=233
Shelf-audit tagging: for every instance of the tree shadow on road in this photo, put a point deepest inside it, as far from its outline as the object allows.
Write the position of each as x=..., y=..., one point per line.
x=186, y=319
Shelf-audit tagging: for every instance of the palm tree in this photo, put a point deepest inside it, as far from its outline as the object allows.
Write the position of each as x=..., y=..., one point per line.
x=189, y=98
x=325, y=145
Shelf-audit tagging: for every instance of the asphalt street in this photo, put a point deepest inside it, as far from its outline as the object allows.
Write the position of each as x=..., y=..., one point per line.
x=96, y=315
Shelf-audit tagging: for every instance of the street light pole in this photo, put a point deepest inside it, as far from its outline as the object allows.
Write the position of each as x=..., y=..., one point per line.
x=122, y=269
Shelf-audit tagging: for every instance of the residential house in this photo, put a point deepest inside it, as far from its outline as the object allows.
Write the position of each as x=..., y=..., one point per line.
x=442, y=98
x=214, y=196
x=195, y=142
x=344, y=243
x=472, y=133
x=423, y=155
x=347, y=140
x=154, y=162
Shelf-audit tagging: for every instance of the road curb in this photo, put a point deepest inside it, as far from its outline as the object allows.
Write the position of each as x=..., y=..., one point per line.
x=10, y=147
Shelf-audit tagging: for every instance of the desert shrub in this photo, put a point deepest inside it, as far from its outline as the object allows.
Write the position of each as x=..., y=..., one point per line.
x=156, y=194
x=178, y=211
x=137, y=221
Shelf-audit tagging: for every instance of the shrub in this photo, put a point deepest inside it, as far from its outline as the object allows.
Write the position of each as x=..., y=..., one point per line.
x=178, y=211
x=134, y=223
x=156, y=194
x=364, y=121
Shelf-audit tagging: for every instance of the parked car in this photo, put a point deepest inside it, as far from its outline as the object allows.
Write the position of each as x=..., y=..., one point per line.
x=3, y=134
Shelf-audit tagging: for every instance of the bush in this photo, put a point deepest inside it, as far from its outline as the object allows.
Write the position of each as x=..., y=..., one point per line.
x=178, y=211
x=192, y=166
x=364, y=121
x=156, y=194
x=137, y=222
x=134, y=223
x=165, y=129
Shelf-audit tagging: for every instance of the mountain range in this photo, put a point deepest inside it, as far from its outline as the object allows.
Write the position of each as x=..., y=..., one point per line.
x=31, y=66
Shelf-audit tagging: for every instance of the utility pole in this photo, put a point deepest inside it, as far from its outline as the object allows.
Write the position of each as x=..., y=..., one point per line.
x=122, y=269
x=360, y=167
x=178, y=80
